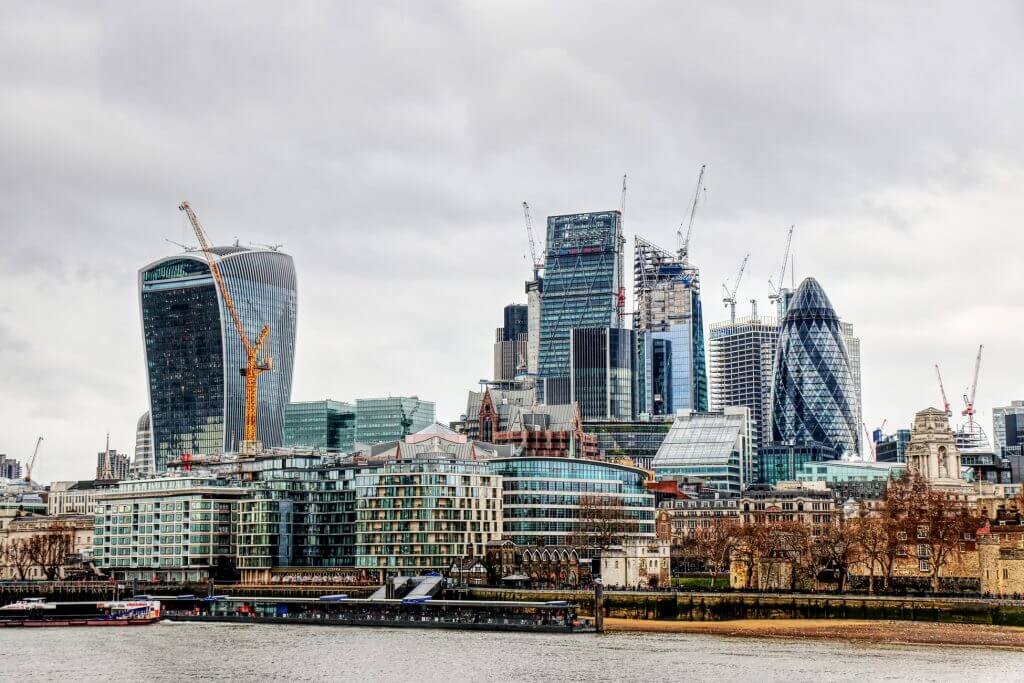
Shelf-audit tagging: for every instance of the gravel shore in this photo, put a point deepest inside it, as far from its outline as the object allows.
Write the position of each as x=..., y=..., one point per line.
x=896, y=632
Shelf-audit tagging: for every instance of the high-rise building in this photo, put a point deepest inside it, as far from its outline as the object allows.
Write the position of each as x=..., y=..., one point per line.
x=533, y=292
x=812, y=392
x=143, y=463
x=581, y=287
x=716, y=448
x=602, y=364
x=853, y=351
x=516, y=321
x=509, y=355
x=391, y=418
x=742, y=353
x=1007, y=423
x=111, y=465
x=9, y=468
x=670, y=328
x=325, y=425
x=194, y=356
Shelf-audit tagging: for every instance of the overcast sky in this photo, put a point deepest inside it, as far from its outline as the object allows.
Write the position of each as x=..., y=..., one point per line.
x=388, y=146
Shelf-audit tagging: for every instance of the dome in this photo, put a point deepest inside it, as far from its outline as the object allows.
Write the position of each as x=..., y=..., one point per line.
x=813, y=393
x=143, y=424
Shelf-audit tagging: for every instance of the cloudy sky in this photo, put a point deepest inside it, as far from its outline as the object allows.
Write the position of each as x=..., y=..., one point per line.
x=389, y=145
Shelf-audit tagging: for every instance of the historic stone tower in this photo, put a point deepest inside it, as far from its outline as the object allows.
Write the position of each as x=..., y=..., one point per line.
x=932, y=451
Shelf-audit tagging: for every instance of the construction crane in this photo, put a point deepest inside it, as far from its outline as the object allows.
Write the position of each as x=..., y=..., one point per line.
x=777, y=291
x=32, y=463
x=254, y=364
x=684, y=241
x=942, y=390
x=538, y=263
x=969, y=397
x=620, y=298
x=730, y=296
x=869, y=445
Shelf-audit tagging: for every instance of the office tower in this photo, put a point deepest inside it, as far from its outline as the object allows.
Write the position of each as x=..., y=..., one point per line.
x=602, y=361
x=742, y=354
x=391, y=418
x=533, y=293
x=9, y=468
x=194, y=354
x=510, y=344
x=812, y=392
x=111, y=465
x=668, y=313
x=893, y=447
x=1007, y=421
x=581, y=287
x=326, y=425
x=717, y=448
x=853, y=350
x=143, y=463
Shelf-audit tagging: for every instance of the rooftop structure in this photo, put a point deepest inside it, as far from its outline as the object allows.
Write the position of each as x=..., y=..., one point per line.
x=716, y=447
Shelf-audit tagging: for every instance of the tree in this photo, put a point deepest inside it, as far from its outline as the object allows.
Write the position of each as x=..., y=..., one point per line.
x=873, y=546
x=16, y=555
x=714, y=544
x=941, y=522
x=836, y=548
x=49, y=550
x=600, y=522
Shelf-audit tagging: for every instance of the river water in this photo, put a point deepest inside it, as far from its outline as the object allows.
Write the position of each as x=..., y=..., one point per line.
x=190, y=651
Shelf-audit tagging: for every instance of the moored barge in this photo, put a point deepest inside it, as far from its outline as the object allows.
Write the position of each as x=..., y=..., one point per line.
x=37, y=612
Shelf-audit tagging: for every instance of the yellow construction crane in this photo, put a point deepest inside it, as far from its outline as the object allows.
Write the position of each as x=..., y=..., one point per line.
x=254, y=364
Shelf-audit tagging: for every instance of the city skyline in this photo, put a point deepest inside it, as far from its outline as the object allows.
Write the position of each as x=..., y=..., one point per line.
x=390, y=214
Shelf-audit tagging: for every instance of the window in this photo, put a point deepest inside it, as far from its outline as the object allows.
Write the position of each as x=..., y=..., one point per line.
x=924, y=565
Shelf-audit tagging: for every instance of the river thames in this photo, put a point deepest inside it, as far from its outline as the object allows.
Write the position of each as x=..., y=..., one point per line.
x=169, y=651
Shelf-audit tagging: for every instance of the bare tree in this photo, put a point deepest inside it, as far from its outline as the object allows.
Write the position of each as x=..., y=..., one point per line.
x=16, y=555
x=941, y=523
x=873, y=547
x=49, y=550
x=714, y=545
x=600, y=522
x=836, y=548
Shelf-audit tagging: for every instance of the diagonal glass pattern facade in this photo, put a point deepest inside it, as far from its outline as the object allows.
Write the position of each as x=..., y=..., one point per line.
x=812, y=394
x=581, y=285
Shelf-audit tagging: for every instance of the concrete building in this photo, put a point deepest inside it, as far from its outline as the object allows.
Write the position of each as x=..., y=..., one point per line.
x=670, y=332
x=893, y=447
x=1008, y=427
x=533, y=298
x=511, y=342
x=688, y=515
x=21, y=530
x=742, y=354
x=932, y=452
x=582, y=288
x=391, y=419
x=194, y=353
x=852, y=342
x=813, y=397
x=9, y=468
x=602, y=367
x=326, y=425
x=177, y=529
x=74, y=497
x=563, y=501
x=637, y=562
x=144, y=464
x=814, y=507
x=717, y=448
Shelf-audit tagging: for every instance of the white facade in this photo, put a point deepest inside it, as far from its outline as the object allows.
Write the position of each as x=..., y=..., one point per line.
x=143, y=464
x=853, y=349
x=637, y=563
x=66, y=498
x=742, y=354
x=533, y=289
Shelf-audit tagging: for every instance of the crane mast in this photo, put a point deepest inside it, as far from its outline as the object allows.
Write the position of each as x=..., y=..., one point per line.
x=684, y=242
x=969, y=397
x=777, y=291
x=538, y=263
x=942, y=390
x=254, y=364
x=730, y=296
x=32, y=463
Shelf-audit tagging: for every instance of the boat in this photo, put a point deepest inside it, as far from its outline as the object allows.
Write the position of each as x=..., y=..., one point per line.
x=40, y=612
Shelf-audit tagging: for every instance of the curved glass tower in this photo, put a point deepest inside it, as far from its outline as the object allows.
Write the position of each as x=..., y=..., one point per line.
x=812, y=394
x=194, y=354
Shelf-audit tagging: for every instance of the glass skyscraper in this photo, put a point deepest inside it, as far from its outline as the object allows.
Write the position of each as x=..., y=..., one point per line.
x=812, y=393
x=194, y=354
x=669, y=314
x=581, y=286
x=601, y=373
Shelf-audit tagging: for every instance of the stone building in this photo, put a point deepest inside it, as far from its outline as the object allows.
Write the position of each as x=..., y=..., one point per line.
x=1001, y=559
x=637, y=562
x=540, y=566
x=932, y=451
x=23, y=529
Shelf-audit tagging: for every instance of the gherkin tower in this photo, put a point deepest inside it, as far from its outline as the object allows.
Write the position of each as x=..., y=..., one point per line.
x=813, y=391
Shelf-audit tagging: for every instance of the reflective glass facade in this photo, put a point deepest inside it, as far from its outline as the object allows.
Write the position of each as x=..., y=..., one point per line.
x=715, y=447
x=194, y=354
x=812, y=394
x=325, y=425
x=581, y=285
x=542, y=496
x=392, y=418
x=602, y=368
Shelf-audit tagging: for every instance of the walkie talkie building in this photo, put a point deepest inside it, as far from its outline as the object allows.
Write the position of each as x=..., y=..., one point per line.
x=194, y=355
